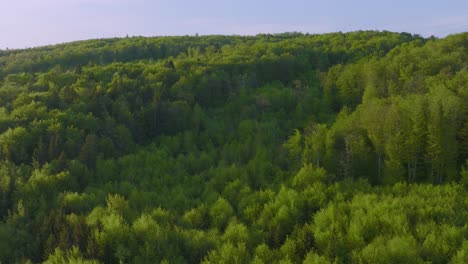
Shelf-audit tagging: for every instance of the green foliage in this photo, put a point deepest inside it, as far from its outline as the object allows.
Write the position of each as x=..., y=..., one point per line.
x=70, y=256
x=283, y=148
x=220, y=213
x=308, y=175
x=462, y=255
x=392, y=250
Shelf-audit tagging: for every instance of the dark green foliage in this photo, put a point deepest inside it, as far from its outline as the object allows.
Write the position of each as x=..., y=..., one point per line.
x=285, y=148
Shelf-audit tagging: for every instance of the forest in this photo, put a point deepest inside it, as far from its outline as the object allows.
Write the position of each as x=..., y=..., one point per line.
x=274, y=148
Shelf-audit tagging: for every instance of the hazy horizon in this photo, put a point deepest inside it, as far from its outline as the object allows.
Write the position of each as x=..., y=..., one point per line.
x=32, y=23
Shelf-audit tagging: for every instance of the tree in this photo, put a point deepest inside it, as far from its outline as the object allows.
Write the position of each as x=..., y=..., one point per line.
x=390, y=250
x=70, y=256
x=229, y=253
x=294, y=146
x=315, y=144
x=220, y=213
x=371, y=114
x=88, y=152
x=16, y=145
x=443, y=122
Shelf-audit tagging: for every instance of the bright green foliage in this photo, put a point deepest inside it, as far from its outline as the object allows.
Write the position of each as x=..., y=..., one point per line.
x=71, y=256
x=284, y=148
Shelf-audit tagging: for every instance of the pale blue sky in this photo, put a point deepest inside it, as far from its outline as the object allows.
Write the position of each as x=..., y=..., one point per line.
x=28, y=23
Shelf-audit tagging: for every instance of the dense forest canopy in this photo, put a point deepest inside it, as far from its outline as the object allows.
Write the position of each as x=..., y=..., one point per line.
x=285, y=148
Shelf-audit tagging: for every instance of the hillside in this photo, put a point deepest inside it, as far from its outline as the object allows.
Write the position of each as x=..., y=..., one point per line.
x=285, y=148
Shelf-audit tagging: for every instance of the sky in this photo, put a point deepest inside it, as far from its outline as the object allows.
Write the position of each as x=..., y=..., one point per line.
x=31, y=23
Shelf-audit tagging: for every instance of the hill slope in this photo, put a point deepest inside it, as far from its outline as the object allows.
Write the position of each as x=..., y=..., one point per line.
x=275, y=148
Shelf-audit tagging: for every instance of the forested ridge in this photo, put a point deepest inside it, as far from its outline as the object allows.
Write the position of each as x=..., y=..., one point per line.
x=285, y=148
